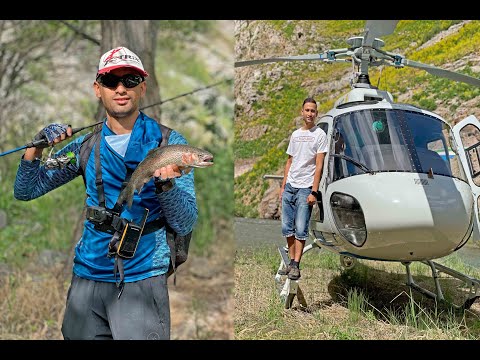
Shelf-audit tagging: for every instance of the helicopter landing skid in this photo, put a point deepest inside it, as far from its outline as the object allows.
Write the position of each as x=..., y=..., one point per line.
x=287, y=288
x=471, y=287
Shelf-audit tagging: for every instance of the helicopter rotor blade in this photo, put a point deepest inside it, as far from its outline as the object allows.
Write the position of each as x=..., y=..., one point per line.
x=378, y=28
x=337, y=55
x=283, y=58
x=452, y=75
x=366, y=52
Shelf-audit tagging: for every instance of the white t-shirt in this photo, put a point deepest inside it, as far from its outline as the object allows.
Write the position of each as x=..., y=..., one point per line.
x=303, y=147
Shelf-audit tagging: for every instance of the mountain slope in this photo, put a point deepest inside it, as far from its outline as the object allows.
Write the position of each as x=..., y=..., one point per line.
x=268, y=96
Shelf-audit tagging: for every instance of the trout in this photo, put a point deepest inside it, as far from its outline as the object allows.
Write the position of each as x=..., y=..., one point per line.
x=160, y=157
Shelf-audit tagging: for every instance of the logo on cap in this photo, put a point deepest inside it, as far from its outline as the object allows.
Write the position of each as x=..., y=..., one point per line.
x=118, y=58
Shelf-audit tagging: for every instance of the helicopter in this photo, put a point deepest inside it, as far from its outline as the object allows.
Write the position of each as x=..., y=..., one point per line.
x=399, y=182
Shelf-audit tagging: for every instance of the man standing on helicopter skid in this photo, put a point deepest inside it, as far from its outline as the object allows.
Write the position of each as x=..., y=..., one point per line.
x=299, y=192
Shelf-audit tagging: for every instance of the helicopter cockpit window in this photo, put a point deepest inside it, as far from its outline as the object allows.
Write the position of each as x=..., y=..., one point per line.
x=381, y=140
x=432, y=145
x=323, y=126
x=372, y=138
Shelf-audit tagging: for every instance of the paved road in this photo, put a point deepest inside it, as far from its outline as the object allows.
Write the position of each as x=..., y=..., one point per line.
x=257, y=232
x=267, y=232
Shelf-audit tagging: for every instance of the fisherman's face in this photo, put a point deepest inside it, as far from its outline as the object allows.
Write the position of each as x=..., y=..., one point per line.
x=119, y=100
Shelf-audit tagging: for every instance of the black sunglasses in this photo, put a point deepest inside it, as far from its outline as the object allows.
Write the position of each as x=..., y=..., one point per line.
x=128, y=80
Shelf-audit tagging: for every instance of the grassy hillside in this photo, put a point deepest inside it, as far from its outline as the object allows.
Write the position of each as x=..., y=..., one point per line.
x=269, y=95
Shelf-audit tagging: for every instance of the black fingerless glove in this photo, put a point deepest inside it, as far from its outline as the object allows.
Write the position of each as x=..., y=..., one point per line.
x=162, y=186
x=49, y=133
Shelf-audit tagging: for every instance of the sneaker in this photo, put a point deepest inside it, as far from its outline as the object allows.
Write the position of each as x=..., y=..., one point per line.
x=285, y=270
x=294, y=273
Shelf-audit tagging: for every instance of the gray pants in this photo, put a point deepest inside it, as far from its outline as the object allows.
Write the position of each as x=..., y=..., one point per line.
x=93, y=310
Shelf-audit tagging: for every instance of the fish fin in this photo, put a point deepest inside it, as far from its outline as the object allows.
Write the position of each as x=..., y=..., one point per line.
x=126, y=195
x=150, y=151
x=187, y=170
x=140, y=188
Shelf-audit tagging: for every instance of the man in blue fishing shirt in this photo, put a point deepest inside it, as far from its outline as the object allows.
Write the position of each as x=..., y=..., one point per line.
x=99, y=305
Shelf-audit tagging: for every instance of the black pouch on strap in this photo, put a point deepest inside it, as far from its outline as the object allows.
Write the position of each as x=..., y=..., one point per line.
x=178, y=249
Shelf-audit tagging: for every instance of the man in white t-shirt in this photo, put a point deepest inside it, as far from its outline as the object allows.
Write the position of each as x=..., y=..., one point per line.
x=299, y=192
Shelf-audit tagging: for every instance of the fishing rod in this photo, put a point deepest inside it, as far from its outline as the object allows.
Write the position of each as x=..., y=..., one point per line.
x=44, y=141
x=187, y=93
x=74, y=131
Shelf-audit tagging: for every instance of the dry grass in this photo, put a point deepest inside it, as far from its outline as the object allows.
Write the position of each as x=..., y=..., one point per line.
x=386, y=308
x=201, y=303
x=32, y=300
x=32, y=304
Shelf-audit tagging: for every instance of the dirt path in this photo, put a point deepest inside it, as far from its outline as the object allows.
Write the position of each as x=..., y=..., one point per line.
x=201, y=302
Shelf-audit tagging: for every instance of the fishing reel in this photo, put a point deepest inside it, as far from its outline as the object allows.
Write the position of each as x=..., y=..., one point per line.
x=61, y=161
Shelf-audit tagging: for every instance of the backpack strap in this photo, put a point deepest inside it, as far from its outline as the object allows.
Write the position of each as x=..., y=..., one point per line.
x=86, y=148
x=178, y=250
x=178, y=244
x=165, y=134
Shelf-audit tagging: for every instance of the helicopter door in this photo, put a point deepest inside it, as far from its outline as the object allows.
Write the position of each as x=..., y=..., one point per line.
x=467, y=135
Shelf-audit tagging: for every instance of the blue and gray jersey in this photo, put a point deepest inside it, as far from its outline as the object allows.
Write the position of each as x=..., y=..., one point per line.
x=178, y=206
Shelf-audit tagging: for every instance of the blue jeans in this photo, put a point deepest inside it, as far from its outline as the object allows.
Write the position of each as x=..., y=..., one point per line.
x=295, y=212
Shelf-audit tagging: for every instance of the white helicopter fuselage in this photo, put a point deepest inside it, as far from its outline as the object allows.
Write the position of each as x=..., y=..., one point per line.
x=407, y=205
x=398, y=182
x=408, y=217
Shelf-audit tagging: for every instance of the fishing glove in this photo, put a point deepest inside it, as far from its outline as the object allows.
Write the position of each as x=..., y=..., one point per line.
x=49, y=133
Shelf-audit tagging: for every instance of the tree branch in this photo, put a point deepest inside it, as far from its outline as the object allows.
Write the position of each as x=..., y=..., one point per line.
x=80, y=32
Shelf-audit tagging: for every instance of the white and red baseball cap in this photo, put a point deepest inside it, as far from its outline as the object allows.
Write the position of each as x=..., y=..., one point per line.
x=120, y=57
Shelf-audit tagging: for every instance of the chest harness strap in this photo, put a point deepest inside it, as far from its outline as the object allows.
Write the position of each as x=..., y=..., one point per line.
x=118, y=225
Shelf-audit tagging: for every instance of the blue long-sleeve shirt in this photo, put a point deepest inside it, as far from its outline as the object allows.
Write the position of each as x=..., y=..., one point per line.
x=177, y=206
